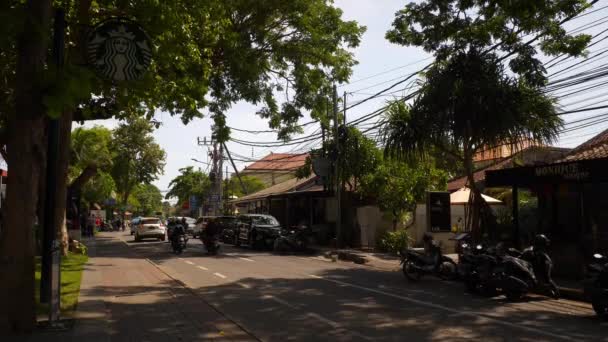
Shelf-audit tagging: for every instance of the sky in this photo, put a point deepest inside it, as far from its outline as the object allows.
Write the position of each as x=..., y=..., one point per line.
x=381, y=64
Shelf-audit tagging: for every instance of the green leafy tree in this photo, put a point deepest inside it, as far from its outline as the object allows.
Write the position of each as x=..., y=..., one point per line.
x=252, y=184
x=146, y=199
x=98, y=189
x=208, y=55
x=189, y=182
x=137, y=158
x=398, y=187
x=517, y=29
x=465, y=105
x=90, y=152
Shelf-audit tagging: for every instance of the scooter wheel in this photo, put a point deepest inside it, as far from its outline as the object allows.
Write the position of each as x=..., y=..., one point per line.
x=410, y=272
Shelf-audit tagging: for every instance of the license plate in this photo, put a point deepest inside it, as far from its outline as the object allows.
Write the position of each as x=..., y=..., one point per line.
x=152, y=228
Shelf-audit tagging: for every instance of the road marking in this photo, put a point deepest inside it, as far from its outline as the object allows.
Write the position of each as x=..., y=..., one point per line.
x=337, y=326
x=246, y=259
x=220, y=275
x=188, y=262
x=280, y=301
x=447, y=309
x=245, y=286
x=203, y=268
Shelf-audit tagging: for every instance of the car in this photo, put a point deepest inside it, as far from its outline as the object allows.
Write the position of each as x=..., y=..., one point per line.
x=257, y=230
x=150, y=227
x=134, y=223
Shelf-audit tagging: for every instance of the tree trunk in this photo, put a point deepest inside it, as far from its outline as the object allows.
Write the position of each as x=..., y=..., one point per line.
x=26, y=152
x=395, y=220
x=475, y=201
x=63, y=160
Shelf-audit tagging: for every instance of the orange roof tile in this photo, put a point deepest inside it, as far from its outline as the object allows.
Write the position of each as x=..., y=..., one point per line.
x=279, y=162
x=594, y=148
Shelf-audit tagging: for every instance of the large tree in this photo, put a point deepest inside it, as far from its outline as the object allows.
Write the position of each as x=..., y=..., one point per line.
x=90, y=153
x=208, y=54
x=467, y=101
x=465, y=105
x=137, y=157
x=189, y=182
x=146, y=199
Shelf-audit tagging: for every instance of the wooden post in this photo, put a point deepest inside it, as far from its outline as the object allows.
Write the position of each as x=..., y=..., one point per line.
x=515, y=216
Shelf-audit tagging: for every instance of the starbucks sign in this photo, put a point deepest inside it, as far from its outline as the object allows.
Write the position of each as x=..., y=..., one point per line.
x=119, y=50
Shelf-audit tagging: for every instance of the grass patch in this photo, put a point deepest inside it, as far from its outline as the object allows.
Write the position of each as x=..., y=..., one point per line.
x=71, y=275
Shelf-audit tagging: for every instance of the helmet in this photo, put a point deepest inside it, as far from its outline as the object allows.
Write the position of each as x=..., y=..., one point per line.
x=541, y=241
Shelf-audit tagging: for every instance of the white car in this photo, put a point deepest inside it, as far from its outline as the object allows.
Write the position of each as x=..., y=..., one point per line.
x=150, y=227
x=200, y=225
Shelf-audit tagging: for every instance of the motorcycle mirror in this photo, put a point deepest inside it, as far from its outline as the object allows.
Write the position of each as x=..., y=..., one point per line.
x=598, y=256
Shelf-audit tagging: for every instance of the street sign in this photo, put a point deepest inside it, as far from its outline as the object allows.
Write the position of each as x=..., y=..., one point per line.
x=193, y=202
x=119, y=49
x=213, y=198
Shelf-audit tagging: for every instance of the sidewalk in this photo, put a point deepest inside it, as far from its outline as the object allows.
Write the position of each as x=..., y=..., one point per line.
x=124, y=297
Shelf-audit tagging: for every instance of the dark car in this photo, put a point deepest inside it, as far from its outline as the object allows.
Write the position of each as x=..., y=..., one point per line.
x=257, y=230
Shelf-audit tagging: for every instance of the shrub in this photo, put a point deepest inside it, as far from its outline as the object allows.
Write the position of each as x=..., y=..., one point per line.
x=394, y=241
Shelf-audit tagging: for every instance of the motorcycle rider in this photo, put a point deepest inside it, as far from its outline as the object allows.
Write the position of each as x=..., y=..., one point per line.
x=178, y=229
x=430, y=251
x=209, y=234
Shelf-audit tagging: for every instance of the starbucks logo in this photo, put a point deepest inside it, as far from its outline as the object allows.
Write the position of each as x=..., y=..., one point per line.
x=119, y=50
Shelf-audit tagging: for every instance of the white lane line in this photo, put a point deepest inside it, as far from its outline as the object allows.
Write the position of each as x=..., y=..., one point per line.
x=280, y=301
x=188, y=262
x=243, y=285
x=247, y=259
x=450, y=310
x=219, y=275
x=203, y=268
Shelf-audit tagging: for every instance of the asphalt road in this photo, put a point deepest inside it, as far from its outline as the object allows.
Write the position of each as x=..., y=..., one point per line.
x=309, y=298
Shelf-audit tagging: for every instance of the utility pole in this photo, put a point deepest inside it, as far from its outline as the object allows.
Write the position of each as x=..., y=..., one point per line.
x=337, y=171
x=236, y=171
x=344, y=108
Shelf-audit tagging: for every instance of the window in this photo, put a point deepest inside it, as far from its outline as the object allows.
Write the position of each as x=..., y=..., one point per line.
x=150, y=221
x=265, y=220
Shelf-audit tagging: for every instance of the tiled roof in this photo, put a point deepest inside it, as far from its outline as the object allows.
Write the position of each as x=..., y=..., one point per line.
x=279, y=162
x=479, y=175
x=291, y=185
x=594, y=148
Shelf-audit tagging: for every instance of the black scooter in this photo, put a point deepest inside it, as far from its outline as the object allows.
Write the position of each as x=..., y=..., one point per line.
x=596, y=285
x=292, y=240
x=178, y=240
x=416, y=264
x=485, y=271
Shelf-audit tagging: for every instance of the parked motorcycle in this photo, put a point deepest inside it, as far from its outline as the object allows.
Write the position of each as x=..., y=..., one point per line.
x=596, y=285
x=415, y=264
x=541, y=263
x=293, y=240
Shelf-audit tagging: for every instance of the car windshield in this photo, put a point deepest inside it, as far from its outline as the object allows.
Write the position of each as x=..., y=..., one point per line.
x=190, y=220
x=265, y=220
x=226, y=220
x=150, y=221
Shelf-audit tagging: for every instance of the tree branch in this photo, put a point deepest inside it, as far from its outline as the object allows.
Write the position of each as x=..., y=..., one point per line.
x=88, y=173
